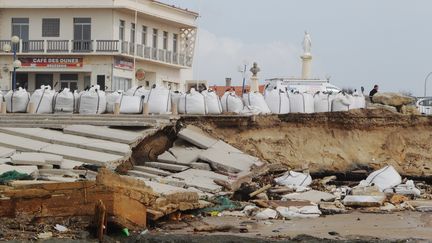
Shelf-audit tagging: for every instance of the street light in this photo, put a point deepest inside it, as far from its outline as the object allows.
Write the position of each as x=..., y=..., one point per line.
x=242, y=69
x=16, y=63
x=425, y=82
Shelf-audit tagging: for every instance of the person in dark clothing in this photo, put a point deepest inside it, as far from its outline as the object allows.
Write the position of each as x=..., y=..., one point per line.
x=373, y=92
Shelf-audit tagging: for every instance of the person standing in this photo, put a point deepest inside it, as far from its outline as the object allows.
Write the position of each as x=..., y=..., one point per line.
x=373, y=92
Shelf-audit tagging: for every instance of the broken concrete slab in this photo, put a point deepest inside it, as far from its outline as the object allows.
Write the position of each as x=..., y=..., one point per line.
x=185, y=155
x=163, y=189
x=312, y=196
x=70, y=164
x=165, y=166
x=167, y=157
x=6, y=152
x=329, y=208
x=200, y=166
x=201, y=179
x=196, y=137
x=32, y=158
x=152, y=170
x=228, y=161
x=98, y=132
x=20, y=143
x=5, y=160
x=421, y=205
x=29, y=170
x=225, y=147
x=169, y=180
x=364, y=200
x=141, y=174
x=57, y=137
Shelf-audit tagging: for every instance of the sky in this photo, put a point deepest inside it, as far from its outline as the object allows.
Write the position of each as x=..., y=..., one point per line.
x=354, y=42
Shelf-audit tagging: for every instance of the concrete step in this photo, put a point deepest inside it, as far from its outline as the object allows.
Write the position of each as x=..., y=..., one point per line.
x=141, y=174
x=152, y=170
x=165, y=166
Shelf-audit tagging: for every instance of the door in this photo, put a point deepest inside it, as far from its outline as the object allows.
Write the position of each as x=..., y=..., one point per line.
x=22, y=80
x=69, y=81
x=82, y=35
x=101, y=82
x=44, y=79
x=20, y=28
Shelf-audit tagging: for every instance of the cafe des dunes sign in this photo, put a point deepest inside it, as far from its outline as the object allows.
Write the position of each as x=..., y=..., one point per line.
x=52, y=62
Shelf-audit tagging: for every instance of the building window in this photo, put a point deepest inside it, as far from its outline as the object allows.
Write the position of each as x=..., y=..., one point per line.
x=165, y=40
x=50, y=27
x=155, y=38
x=144, y=35
x=122, y=30
x=175, y=43
x=20, y=28
x=120, y=83
x=132, y=37
x=82, y=28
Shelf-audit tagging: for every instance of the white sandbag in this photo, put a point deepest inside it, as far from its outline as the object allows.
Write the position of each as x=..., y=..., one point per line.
x=158, y=100
x=384, y=178
x=292, y=178
x=42, y=99
x=256, y=99
x=112, y=99
x=292, y=212
x=267, y=214
x=408, y=188
x=65, y=101
x=175, y=97
x=131, y=104
x=231, y=102
x=192, y=103
x=92, y=101
x=137, y=91
x=301, y=102
x=341, y=102
x=214, y=105
x=359, y=101
x=322, y=102
x=17, y=101
x=277, y=101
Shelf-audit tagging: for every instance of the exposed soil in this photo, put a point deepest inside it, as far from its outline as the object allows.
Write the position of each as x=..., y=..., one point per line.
x=340, y=141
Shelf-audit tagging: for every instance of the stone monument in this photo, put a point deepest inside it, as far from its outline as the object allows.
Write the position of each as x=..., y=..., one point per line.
x=254, y=86
x=306, y=57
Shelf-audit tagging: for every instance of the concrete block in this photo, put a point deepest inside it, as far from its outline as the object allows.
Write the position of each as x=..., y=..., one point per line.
x=228, y=161
x=6, y=152
x=165, y=166
x=201, y=179
x=312, y=196
x=200, y=166
x=99, y=132
x=70, y=164
x=141, y=174
x=29, y=170
x=152, y=170
x=20, y=143
x=364, y=201
x=163, y=189
x=32, y=158
x=5, y=160
x=167, y=157
x=196, y=137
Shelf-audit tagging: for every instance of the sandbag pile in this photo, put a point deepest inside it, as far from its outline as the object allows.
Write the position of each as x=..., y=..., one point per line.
x=341, y=102
x=257, y=101
x=158, y=99
x=65, y=101
x=301, y=102
x=323, y=102
x=214, y=105
x=92, y=101
x=42, y=99
x=17, y=101
x=192, y=103
x=277, y=101
x=231, y=102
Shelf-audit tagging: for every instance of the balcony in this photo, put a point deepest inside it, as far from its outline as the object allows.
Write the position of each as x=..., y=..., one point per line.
x=100, y=47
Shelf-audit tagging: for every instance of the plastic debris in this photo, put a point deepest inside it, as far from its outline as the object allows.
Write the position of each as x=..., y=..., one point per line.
x=267, y=214
x=294, y=179
x=384, y=178
x=299, y=212
x=60, y=228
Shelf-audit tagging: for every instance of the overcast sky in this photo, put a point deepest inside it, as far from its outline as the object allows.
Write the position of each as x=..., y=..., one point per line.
x=356, y=43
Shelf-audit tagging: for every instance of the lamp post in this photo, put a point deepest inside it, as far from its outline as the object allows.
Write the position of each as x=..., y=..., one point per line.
x=16, y=63
x=242, y=69
x=425, y=82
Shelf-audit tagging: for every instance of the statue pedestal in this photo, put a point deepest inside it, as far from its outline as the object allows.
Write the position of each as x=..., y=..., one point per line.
x=306, y=66
x=254, y=85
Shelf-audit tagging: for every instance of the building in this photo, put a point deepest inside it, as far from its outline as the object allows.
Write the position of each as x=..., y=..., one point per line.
x=114, y=43
x=220, y=90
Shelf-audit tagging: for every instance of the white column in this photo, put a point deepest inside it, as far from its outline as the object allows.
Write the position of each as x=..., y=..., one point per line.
x=254, y=85
x=306, y=66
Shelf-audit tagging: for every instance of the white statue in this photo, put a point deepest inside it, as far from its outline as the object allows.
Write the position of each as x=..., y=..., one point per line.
x=307, y=44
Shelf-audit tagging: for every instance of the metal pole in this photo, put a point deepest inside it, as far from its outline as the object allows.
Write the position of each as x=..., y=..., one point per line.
x=244, y=80
x=425, y=83
x=14, y=70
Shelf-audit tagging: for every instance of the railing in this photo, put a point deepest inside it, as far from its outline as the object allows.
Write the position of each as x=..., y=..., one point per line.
x=57, y=46
x=107, y=45
x=117, y=47
x=33, y=46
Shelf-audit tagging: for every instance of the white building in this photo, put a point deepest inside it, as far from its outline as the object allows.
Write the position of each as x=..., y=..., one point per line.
x=114, y=43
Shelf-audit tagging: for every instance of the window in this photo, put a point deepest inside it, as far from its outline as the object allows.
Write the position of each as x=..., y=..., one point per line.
x=122, y=30
x=155, y=38
x=20, y=28
x=120, y=83
x=132, y=37
x=144, y=35
x=50, y=27
x=82, y=28
x=175, y=43
x=165, y=40
x=69, y=81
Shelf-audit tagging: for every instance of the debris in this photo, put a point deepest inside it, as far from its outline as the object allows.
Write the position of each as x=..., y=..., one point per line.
x=266, y=214
x=421, y=205
x=313, y=196
x=100, y=220
x=60, y=228
x=263, y=189
x=327, y=179
x=195, y=136
x=299, y=212
x=364, y=200
x=292, y=178
x=45, y=235
x=384, y=178
x=398, y=199
x=250, y=210
x=125, y=232
x=366, y=190
x=329, y=208
x=408, y=188
x=214, y=228
x=388, y=207
x=13, y=175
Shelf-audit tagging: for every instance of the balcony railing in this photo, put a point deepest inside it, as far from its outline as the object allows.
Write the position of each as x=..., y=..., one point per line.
x=117, y=47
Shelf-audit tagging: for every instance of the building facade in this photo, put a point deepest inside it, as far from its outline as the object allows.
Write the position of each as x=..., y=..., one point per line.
x=114, y=43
